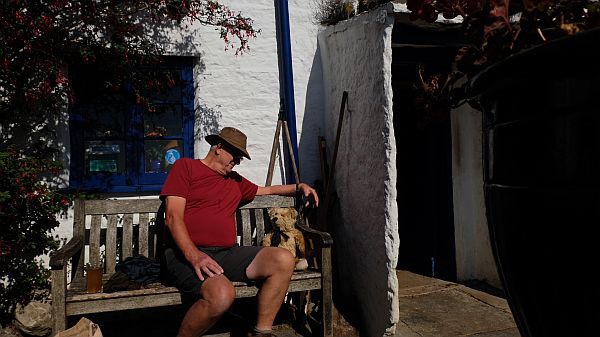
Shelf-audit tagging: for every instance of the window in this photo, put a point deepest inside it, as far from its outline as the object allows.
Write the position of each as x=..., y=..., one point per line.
x=118, y=145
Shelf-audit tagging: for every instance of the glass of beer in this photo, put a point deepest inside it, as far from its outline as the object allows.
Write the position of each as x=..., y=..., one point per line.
x=93, y=278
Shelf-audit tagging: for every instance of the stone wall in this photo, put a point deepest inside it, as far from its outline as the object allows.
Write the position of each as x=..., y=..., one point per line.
x=356, y=57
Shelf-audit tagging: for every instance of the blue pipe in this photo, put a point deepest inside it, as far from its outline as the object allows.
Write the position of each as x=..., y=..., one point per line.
x=286, y=77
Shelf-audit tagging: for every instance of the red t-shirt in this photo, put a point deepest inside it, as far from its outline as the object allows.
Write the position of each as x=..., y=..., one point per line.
x=211, y=201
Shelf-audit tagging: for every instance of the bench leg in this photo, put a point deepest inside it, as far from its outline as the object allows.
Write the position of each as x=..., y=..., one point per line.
x=59, y=292
x=301, y=315
x=326, y=290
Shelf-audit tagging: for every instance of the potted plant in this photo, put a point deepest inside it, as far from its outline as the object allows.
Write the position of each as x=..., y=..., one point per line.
x=531, y=68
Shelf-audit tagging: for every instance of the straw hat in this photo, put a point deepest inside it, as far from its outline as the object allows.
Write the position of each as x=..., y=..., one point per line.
x=232, y=137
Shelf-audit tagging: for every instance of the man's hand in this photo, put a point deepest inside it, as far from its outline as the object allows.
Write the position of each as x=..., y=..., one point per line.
x=309, y=194
x=204, y=264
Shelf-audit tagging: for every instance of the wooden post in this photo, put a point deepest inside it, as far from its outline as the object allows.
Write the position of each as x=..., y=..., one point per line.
x=59, y=290
x=323, y=213
x=273, y=153
x=323, y=160
x=280, y=124
x=291, y=151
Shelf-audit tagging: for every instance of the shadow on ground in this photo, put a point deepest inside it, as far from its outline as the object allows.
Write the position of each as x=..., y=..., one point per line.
x=164, y=321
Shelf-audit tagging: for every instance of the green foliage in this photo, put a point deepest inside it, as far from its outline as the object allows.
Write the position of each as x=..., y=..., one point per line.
x=28, y=210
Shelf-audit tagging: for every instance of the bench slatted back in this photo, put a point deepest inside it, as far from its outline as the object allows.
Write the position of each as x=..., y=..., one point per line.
x=253, y=221
x=127, y=227
x=119, y=228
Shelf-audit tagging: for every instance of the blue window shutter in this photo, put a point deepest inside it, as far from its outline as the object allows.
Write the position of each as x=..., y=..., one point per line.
x=138, y=174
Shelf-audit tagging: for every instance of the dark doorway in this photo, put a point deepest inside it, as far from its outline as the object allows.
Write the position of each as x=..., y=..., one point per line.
x=424, y=156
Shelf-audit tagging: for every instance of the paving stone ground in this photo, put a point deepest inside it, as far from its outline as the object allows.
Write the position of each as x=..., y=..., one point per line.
x=434, y=308
x=428, y=308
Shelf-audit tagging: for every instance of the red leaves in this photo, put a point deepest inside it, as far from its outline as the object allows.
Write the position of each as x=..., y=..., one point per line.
x=491, y=37
x=498, y=17
x=6, y=63
x=40, y=37
x=499, y=8
x=61, y=78
x=422, y=9
x=28, y=210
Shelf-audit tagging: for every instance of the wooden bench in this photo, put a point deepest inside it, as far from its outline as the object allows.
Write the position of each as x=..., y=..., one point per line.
x=118, y=229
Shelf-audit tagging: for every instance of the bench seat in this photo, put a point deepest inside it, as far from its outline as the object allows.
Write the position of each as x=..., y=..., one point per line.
x=79, y=302
x=117, y=229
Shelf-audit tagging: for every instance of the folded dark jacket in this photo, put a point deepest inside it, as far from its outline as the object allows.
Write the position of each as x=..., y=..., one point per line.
x=119, y=281
x=140, y=269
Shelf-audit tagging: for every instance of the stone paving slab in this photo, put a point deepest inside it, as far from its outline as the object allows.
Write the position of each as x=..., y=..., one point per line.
x=428, y=308
x=435, y=308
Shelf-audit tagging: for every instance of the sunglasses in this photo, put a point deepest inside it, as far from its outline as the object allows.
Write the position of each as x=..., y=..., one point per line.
x=237, y=156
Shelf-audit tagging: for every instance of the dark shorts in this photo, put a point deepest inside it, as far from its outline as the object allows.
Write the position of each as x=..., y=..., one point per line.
x=178, y=272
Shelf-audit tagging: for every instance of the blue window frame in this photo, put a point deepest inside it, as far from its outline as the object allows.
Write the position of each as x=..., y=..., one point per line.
x=118, y=145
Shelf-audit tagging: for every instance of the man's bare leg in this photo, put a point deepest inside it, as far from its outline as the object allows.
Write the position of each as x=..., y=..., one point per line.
x=217, y=294
x=275, y=265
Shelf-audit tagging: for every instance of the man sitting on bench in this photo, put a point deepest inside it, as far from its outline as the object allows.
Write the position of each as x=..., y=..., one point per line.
x=203, y=257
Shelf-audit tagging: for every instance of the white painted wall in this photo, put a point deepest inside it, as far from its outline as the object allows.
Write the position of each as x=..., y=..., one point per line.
x=474, y=258
x=243, y=91
x=356, y=57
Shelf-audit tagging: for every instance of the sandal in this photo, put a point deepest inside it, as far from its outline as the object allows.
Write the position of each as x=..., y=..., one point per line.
x=259, y=333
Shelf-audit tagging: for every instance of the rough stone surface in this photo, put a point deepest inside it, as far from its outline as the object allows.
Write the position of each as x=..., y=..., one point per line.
x=356, y=57
x=35, y=318
x=341, y=327
x=9, y=331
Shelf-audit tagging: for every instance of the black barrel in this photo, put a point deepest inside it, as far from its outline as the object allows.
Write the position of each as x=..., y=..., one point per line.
x=542, y=182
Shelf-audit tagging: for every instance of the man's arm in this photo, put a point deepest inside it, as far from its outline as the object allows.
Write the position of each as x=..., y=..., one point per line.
x=174, y=220
x=308, y=192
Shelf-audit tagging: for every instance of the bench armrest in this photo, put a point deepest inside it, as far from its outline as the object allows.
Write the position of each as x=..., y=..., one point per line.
x=61, y=256
x=323, y=238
